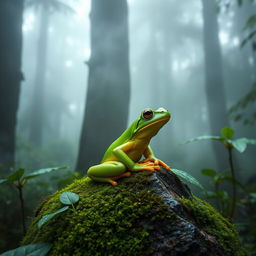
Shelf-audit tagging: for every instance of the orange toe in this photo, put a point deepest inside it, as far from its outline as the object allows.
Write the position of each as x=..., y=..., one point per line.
x=113, y=183
x=127, y=174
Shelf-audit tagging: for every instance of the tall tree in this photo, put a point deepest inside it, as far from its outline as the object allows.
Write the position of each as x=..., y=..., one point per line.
x=214, y=86
x=10, y=75
x=108, y=93
x=37, y=108
x=47, y=7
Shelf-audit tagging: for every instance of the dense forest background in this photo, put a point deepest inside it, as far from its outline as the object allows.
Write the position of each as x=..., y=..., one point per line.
x=75, y=73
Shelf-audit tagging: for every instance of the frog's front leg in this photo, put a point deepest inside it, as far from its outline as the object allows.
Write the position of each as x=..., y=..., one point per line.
x=120, y=153
x=150, y=157
x=108, y=172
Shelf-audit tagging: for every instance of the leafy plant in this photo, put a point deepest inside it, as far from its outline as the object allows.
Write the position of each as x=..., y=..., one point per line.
x=69, y=198
x=237, y=111
x=250, y=24
x=47, y=217
x=221, y=196
x=19, y=179
x=240, y=145
x=249, y=37
x=250, y=27
x=66, y=198
x=187, y=177
x=38, y=249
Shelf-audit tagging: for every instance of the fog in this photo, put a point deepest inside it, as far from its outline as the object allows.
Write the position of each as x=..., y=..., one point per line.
x=167, y=70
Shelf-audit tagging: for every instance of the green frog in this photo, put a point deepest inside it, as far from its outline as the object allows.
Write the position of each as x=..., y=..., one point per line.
x=124, y=155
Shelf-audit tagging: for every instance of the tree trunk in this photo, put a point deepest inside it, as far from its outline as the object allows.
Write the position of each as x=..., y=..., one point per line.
x=37, y=106
x=10, y=75
x=108, y=94
x=214, y=86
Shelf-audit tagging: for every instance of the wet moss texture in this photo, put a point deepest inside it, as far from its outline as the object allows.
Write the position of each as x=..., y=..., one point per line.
x=107, y=220
x=121, y=220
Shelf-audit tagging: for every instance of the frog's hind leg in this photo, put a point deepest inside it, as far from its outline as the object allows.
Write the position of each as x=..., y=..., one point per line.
x=108, y=180
x=125, y=174
x=108, y=172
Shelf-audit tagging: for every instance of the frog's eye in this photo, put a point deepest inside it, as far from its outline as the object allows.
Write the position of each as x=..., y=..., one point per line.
x=148, y=113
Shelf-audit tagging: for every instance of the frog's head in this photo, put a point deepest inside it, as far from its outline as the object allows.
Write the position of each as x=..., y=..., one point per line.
x=150, y=122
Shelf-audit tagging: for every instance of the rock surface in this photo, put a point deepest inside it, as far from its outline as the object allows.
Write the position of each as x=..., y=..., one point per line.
x=146, y=214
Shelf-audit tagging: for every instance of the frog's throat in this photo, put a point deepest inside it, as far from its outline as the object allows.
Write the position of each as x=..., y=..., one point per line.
x=163, y=120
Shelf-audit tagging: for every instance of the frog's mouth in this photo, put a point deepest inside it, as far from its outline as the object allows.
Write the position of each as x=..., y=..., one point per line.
x=162, y=120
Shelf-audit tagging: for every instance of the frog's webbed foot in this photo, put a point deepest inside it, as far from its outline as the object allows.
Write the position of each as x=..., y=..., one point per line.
x=157, y=162
x=146, y=166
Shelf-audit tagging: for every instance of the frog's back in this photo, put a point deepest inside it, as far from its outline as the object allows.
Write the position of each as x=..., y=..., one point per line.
x=125, y=136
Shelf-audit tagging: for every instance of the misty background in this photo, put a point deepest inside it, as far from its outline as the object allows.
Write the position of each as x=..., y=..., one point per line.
x=88, y=68
x=167, y=69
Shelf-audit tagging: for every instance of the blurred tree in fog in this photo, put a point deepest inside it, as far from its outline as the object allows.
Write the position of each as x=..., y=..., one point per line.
x=242, y=14
x=214, y=85
x=10, y=74
x=46, y=7
x=245, y=30
x=108, y=94
x=158, y=53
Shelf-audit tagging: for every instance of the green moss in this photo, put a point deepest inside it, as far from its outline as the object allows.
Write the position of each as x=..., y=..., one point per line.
x=212, y=222
x=107, y=219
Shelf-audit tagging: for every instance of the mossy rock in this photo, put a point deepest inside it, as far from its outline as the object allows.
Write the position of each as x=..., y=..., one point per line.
x=140, y=216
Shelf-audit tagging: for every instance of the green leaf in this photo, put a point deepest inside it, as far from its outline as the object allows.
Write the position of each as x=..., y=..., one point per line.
x=15, y=176
x=247, y=38
x=251, y=22
x=239, y=144
x=206, y=137
x=47, y=217
x=251, y=141
x=42, y=171
x=227, y=132
x=187, y=177
x=210, y=194
x=2, y=181
x=69, y=198
x=39, y=249
x=208, y=172
x=218, y=179
x=217, y=195
x=252, y=197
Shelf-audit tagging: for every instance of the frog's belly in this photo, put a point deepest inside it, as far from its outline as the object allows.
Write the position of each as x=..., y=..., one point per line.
x=136, y=155
x=137, y=150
